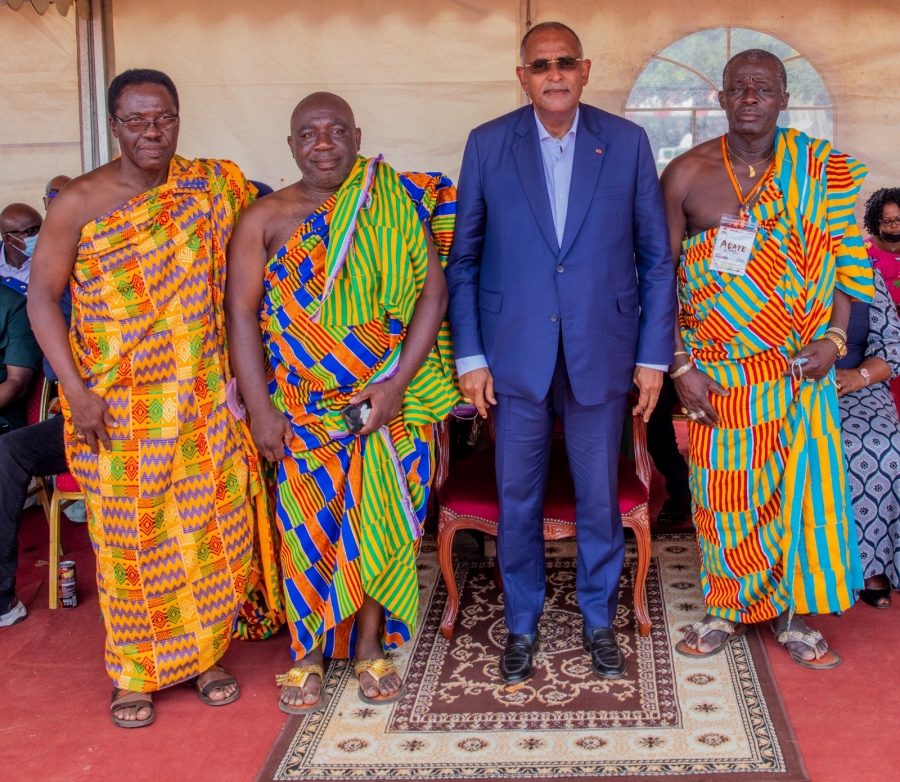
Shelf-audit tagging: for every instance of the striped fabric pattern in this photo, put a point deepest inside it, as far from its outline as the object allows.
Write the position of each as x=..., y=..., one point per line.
x=350, y=509
x=173, y=505
x=771, y=539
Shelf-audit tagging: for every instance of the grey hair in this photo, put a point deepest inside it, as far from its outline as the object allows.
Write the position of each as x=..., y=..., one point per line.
x=557, y=27
x=757, y=55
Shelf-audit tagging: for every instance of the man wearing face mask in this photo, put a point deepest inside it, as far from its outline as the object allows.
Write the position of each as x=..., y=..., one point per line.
x=19, y=353
x=19, y=226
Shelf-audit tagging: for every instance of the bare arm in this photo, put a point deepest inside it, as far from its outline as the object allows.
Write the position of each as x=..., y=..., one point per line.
x=431, y=306
x=16, y=384
x=54, y=258
x=270, y=429
x=693, y=386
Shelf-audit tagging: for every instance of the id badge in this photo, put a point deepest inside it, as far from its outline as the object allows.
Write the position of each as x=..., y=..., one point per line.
x=734, y=243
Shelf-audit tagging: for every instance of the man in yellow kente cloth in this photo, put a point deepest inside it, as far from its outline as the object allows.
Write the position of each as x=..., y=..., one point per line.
x=171, y=483
x=343, y=272
x=762, y=219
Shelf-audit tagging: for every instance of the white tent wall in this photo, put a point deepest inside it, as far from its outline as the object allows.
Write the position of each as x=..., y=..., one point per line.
x=419, y=75
x=39, y=132
x=850, y=42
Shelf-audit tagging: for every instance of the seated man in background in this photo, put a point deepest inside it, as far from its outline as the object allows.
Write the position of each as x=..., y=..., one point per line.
x=25, y=453
x=341, y=289
x=19, y=227
x=53, y=187
x=20, y=357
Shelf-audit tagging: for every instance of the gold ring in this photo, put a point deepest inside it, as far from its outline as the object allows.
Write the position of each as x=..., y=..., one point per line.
x=684, y=411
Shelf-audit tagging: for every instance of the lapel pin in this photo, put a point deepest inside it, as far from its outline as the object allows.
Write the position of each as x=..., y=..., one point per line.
x=598, y=151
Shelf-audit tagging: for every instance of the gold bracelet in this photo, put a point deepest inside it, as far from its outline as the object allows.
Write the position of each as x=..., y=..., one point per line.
x=681, y=370
x=839, y=343
x=835, y=330
x=682, y=353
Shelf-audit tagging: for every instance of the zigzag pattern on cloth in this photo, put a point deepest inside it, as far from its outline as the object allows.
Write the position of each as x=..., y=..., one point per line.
x=173, y=506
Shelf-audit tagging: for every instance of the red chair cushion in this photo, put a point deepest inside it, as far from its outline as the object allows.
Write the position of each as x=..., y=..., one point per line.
x=471, y=488
x=33, y=405
x=66, y=482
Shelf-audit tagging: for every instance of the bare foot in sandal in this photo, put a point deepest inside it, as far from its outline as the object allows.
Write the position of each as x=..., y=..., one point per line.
x=708, y=637
x=369, y=624
x=131, y=709
x=215, y=695
x=805, y=645
x=301, y=687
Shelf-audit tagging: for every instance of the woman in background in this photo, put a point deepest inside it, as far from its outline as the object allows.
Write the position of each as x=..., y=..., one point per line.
x=882, y=221
x=870, y=430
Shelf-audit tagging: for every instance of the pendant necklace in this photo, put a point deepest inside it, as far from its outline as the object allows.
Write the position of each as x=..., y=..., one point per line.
x=749, y=165
x=746, y=201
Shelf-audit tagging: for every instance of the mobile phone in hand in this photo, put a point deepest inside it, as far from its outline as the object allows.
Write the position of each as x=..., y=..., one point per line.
x=355, y=416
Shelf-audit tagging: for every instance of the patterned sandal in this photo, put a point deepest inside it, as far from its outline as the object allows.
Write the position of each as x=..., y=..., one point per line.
x=811, y=639
x=702, y=629
x=296, y=677
x=378, y=669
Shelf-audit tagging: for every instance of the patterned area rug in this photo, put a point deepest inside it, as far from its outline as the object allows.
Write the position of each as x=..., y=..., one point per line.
x=669, y=717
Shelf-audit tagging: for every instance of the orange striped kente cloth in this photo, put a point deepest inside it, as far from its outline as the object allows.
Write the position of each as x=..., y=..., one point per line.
x=771, y=508
x=176, y=503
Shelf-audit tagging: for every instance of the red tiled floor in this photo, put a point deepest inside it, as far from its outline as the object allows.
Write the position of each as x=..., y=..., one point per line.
x=54, y=722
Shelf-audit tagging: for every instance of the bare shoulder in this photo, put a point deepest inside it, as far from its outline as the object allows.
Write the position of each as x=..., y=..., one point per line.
x=687, y=167
x=88, y=197
x=271, y=207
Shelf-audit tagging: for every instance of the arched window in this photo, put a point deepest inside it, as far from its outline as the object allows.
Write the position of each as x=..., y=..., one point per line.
x=675, y=98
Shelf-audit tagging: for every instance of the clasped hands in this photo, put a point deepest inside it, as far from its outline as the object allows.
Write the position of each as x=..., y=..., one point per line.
x=694, y=387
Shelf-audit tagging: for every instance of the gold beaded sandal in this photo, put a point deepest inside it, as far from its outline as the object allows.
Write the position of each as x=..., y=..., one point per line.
x=702, y=629
x=296, y=677
x=822, y=661
x=377, y=669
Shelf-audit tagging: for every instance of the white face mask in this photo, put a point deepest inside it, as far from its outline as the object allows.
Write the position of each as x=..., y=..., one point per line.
x=29, y=242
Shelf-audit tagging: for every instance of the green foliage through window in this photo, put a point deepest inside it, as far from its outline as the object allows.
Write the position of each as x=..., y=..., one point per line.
x=675, y=99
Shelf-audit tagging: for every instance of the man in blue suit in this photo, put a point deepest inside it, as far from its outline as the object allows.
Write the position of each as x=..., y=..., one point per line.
x=562, y=295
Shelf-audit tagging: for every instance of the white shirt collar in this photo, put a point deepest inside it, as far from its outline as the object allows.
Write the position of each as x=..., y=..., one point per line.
x=542, y=131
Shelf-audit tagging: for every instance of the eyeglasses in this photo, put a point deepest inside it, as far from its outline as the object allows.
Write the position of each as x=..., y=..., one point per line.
x=25, y=232
x=890, y=222
x=563, y=63
x=138, y=125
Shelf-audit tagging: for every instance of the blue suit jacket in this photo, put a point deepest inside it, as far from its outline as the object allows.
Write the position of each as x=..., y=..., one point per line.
x=610, y=287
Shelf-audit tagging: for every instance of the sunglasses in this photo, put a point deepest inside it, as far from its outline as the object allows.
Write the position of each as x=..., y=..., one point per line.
x=563, y=63
x=32, y=230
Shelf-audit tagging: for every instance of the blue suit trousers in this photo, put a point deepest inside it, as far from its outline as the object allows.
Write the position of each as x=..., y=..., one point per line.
x=593, y=437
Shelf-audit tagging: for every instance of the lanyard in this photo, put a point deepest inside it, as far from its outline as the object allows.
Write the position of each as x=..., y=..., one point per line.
x=748, y=202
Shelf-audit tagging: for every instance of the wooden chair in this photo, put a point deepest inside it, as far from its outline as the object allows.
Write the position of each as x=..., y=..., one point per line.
x=467, y=499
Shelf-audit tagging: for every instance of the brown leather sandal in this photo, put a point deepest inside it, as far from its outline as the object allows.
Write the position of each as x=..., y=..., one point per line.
x=123, y=698
x=296, y=677
x=214, y=684
x=377, y=669
x=703, y=629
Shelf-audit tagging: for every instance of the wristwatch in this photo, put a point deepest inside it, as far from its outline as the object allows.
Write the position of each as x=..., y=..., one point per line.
x=865, y=374
x=839, y=343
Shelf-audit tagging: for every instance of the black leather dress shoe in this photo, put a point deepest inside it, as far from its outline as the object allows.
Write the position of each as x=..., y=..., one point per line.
x=517, y=660
x=606, y=657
